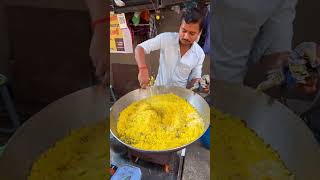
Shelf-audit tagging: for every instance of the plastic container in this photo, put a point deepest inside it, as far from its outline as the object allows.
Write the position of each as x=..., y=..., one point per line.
x=127, y=172
x=205, y=138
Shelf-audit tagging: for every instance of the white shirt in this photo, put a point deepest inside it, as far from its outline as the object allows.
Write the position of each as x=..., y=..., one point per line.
x=245, y=30
x=175, y=70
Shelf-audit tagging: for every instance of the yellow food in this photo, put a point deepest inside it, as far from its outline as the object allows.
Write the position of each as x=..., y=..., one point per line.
x=239, y=154
x=80, y=156
x=151, y=81
x=159, y=122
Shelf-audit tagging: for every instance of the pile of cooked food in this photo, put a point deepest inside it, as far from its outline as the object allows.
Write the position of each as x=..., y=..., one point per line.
x=81, y=156
x=239, y=154
x=159, y=122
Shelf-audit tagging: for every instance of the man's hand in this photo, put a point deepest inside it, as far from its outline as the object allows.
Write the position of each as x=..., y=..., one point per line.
x=143, y=77
x=259, y=71
x=98, y=52
x=191, y=83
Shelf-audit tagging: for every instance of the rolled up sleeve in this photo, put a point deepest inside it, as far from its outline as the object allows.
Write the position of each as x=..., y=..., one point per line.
x=279, y=28
x=152, y=44
x=197, y=70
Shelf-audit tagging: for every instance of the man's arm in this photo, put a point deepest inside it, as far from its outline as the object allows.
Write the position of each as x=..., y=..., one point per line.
x=279, y=28
x=145, y=47
x=140, y=56
x=143, y=75
x=275, y=40
x=196, y=73
x=98, y=46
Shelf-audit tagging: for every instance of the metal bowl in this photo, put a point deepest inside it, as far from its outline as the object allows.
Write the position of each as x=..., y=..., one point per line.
x=44, y=129
x=275, y=124
x=194, y=99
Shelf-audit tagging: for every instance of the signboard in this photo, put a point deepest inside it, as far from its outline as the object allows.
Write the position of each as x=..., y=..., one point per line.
x=120, y=36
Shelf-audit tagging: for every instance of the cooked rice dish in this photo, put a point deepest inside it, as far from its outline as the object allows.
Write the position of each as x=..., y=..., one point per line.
x=80, y=156
x=159, y=122
x=239, y=154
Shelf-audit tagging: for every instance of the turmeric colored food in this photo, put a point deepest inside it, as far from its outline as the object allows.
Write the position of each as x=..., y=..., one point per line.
x=239, y=154
x=159, y=122
x=81, y=156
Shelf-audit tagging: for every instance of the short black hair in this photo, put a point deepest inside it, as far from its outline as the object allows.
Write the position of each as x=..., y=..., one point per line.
x=193, y=15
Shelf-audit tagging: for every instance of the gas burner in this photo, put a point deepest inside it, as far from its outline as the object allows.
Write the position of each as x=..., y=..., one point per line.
x=166, y=160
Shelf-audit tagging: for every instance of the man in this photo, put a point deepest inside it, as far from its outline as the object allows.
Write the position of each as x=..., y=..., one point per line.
x=98, y=47
x=251, y=32
x=253, y=37
x=181, y=57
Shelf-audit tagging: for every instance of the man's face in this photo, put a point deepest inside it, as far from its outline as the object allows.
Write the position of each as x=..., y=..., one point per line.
x=188, y=33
